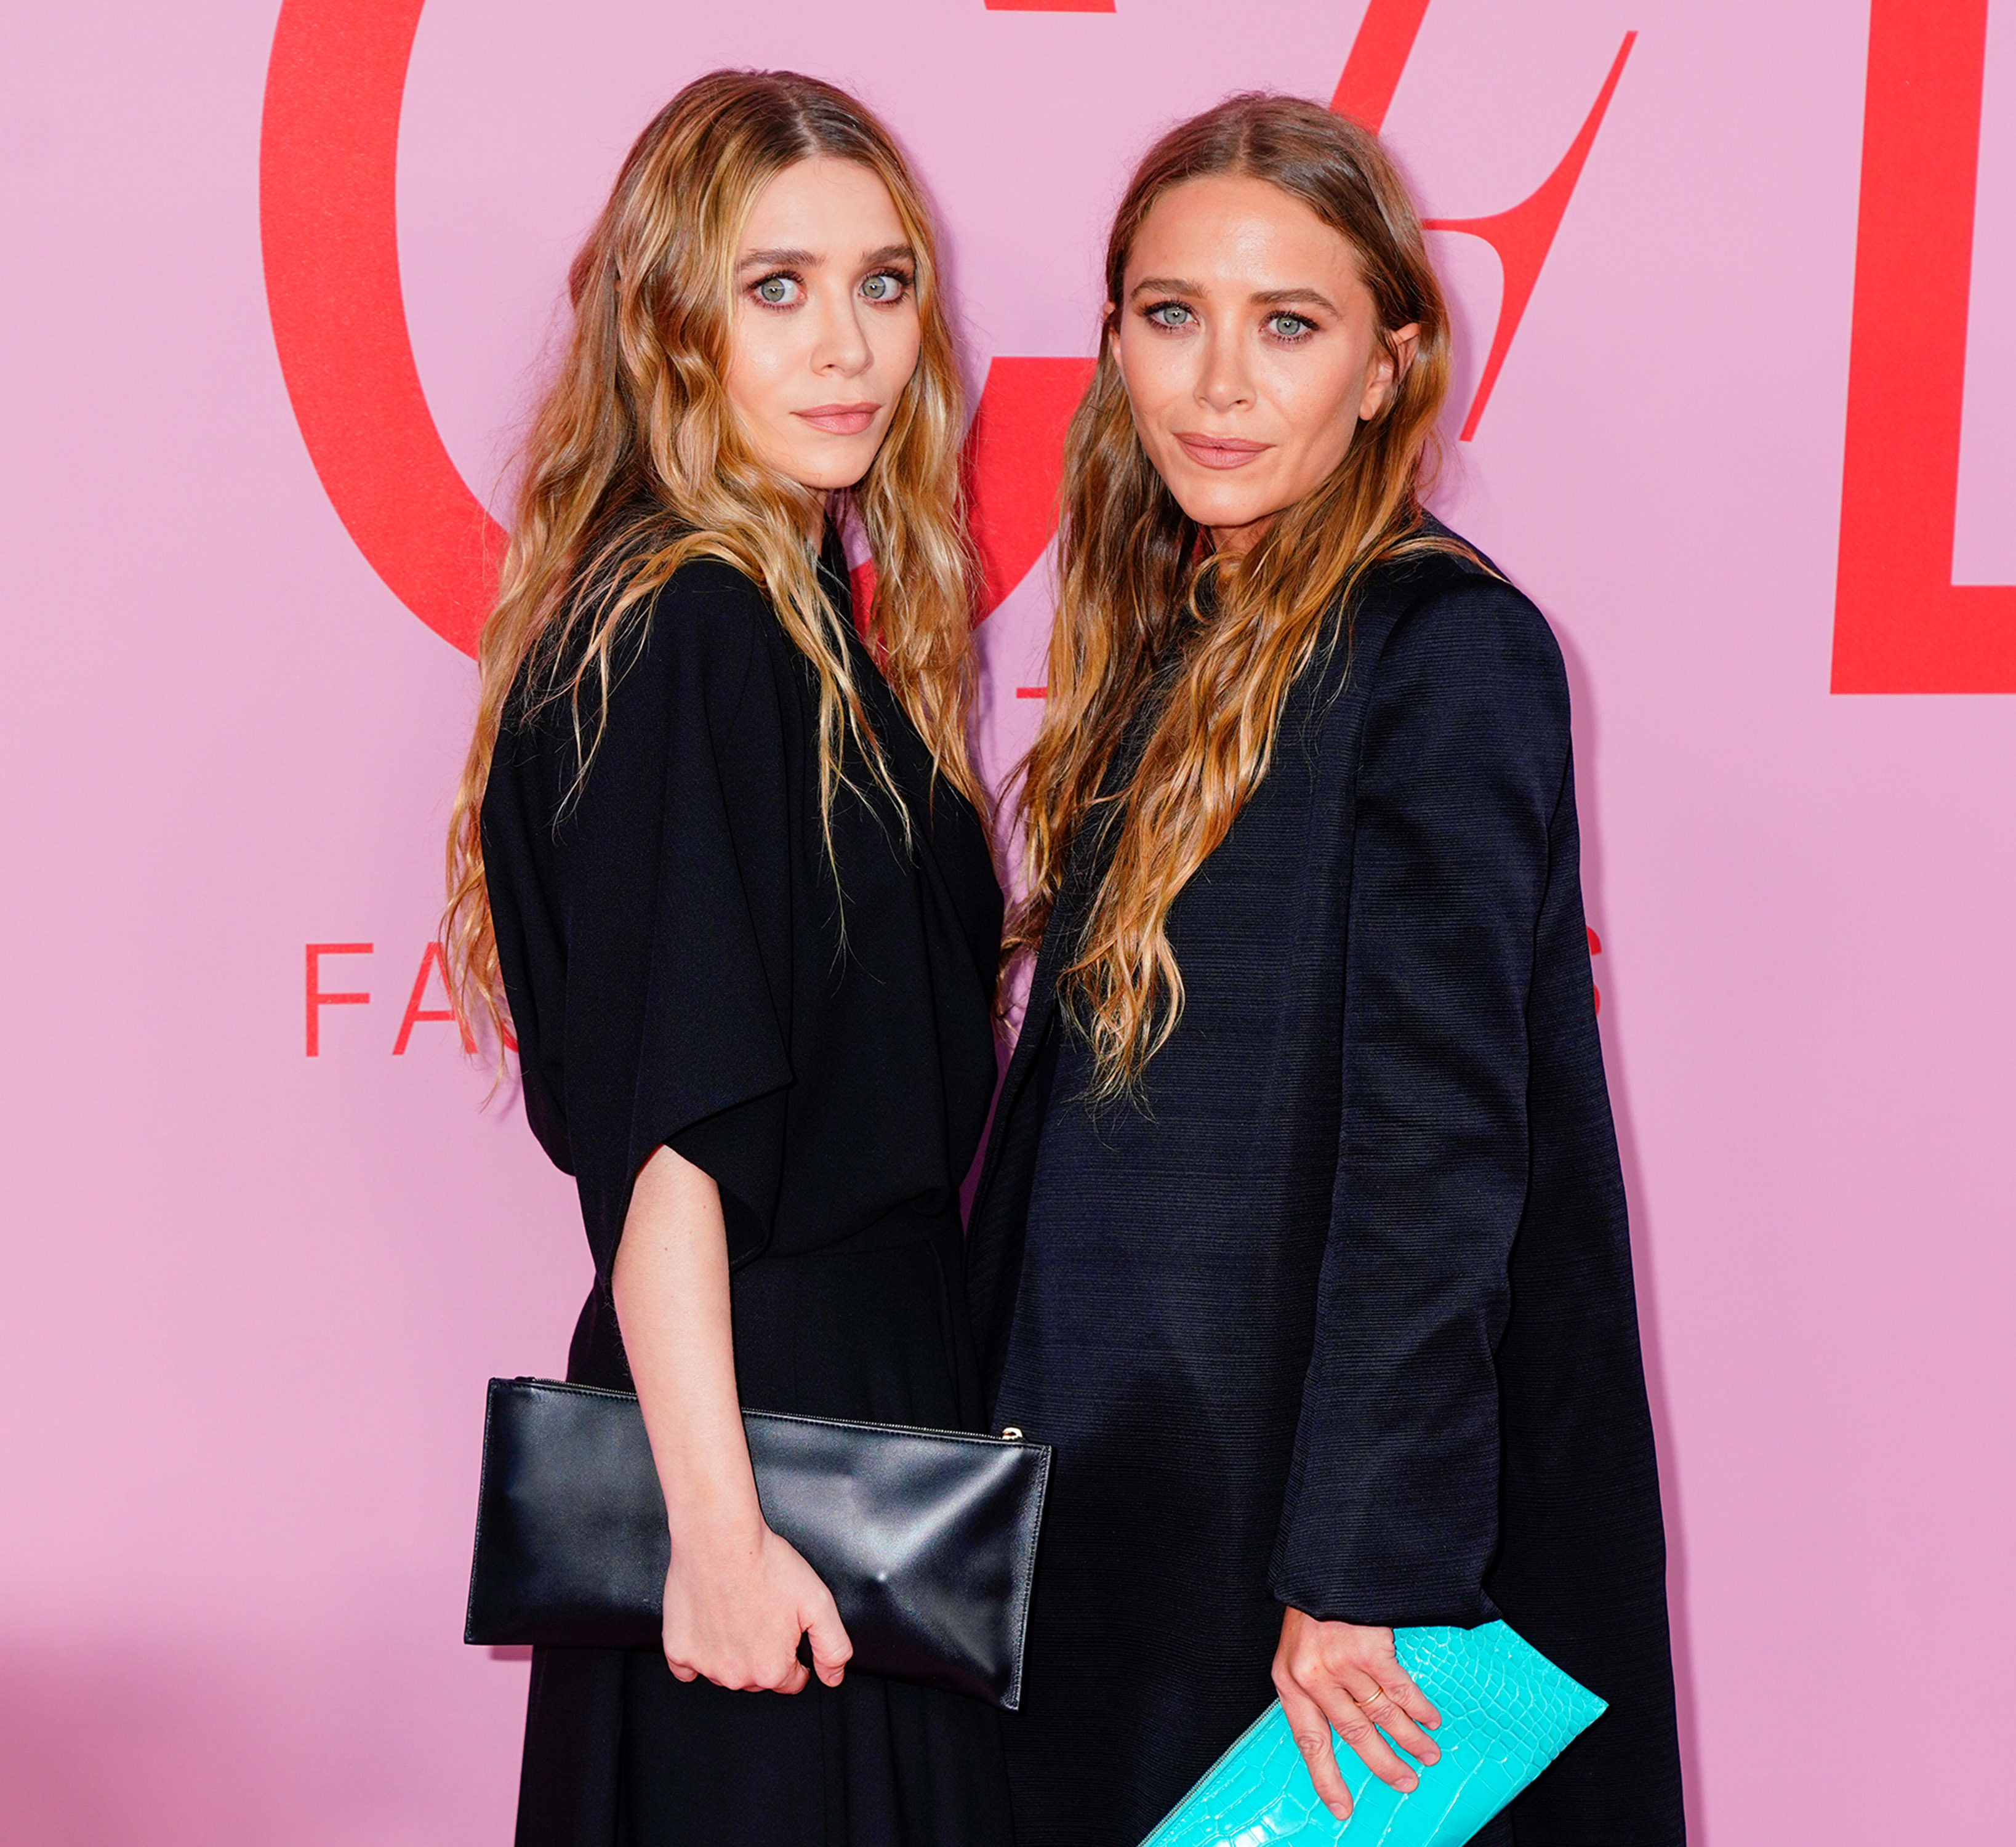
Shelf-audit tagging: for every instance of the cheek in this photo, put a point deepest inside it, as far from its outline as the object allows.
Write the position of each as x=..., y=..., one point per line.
x=1152, y=370
x=758, y=359
x=897, y=349
x=1320, y=404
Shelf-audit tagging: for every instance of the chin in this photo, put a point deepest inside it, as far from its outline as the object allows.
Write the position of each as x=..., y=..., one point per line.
x=1221, y=509
x=1211, y=498
x=831, y=473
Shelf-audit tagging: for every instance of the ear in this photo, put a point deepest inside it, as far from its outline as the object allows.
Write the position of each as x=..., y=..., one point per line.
x=1389, y=365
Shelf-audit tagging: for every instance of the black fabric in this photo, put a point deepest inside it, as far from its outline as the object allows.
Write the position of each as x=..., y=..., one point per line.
x=678, y=973
x=1341, y=1315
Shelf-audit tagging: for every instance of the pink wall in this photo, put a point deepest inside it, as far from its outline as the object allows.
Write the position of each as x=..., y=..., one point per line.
x=248, y=1299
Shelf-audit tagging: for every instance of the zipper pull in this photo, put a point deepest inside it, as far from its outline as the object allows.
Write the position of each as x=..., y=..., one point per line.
x=1010, y=1435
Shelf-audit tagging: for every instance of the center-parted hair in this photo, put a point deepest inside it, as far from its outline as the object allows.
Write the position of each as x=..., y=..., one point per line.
x=1147, y=611
x=636, y=464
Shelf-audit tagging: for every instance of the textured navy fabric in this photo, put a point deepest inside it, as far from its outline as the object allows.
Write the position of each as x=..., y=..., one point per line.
x=674, y=952
x=1340, y=1314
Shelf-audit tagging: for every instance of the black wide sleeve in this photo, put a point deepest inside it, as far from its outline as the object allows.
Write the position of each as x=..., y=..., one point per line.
x=1392, y=1511
x=674, y=865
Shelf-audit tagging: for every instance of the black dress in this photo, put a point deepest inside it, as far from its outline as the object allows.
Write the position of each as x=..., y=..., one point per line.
x=678, y=974
x=1342, y=1317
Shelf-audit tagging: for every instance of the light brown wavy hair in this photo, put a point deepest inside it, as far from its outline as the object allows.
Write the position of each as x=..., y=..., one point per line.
x=1146, y=611
x=636, y=464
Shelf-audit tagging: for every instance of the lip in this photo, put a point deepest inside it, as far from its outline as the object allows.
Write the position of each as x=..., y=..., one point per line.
x=1219, y=452
x=839, y=419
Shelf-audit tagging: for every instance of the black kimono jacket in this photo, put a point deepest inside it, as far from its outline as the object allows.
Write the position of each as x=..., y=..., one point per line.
x=680, y=972
x=1341, y=1315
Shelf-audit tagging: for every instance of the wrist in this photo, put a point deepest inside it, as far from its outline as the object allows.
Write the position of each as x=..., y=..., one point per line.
x=717, y=1521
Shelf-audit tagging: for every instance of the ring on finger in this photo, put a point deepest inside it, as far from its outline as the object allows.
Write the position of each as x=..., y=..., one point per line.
x=1371, y=1699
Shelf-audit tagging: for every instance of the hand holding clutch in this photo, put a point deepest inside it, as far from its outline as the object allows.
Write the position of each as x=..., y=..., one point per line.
x=1345, y=1678
x=1507, y=1712
x=736, y=1603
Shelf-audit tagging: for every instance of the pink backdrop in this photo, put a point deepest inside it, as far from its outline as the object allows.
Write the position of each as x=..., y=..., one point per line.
x=249, y=1297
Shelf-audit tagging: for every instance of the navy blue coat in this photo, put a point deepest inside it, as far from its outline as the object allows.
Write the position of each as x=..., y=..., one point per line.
x=1341, y=1315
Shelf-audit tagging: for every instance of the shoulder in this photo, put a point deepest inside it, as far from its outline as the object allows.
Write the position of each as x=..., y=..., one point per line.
x=685, y=663
x=707, y=616
x=1445, y=624
x=699, y=644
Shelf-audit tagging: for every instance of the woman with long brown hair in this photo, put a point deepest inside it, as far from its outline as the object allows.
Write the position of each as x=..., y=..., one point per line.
x=717, y=863
x=1301, y=1236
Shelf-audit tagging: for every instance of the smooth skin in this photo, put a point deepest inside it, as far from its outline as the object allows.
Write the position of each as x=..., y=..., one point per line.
x=825, y=338
x=1251, y=349
x=826, y=331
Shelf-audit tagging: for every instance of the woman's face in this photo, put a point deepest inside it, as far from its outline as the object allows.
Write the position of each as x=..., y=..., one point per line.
x=1250, y=350
x=825, y=330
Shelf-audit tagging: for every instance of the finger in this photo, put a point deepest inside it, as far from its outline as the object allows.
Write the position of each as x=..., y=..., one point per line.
x=1409, y=1698
x=1383, y=1705
x=682, y=1671
x=795, y=1679
x=1312, y=1734
x=831, y=1649
x=1341, y=1707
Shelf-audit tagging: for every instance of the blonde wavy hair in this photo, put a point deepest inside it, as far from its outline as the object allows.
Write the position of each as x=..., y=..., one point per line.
x=1147, y=611
x=636, y=464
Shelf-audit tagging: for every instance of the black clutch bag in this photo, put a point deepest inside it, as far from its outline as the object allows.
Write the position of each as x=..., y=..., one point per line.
x=926, y=1538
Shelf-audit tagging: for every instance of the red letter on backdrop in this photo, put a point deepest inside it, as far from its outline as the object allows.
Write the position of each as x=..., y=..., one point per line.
x=1378, y=55
x=328, y=188
x=1522, y=236
x=432, y=960
x=1901, y=624
x=317, y=999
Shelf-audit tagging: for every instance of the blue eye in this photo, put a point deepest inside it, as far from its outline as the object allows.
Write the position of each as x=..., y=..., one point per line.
x=1289, y=326
x=1168, y=314
x=885, y=287
x=779, y=291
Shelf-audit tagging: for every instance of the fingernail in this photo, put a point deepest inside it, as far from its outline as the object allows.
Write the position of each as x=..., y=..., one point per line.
x=1410, y=1784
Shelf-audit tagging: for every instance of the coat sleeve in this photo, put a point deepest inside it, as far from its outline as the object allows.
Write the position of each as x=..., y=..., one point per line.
x=1391, y=1514
x=675, y=871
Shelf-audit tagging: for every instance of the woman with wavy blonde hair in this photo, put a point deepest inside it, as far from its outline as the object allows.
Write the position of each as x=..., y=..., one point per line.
x=1301, y=1236
x=716, y=865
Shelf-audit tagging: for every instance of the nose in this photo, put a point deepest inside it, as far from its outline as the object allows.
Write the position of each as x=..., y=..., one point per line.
x=1224, y=383
x=842, y=347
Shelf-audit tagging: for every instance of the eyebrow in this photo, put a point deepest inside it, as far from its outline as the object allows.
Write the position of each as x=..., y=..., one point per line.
x=1278, y=298
x=1176, y=285
x=776, y=259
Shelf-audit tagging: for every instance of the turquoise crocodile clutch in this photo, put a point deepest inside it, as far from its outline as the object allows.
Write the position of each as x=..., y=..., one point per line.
x=1507, y=1713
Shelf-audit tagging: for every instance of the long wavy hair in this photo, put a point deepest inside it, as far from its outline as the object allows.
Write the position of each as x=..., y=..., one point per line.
x=1146, y=611
x=636, y=464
